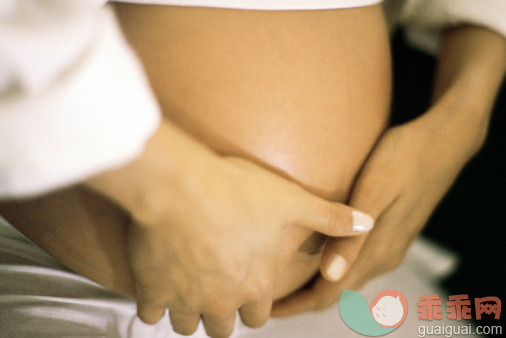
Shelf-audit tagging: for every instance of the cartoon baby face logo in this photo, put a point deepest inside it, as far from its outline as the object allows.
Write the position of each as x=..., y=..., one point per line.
x=386, y=312
x=388, y=309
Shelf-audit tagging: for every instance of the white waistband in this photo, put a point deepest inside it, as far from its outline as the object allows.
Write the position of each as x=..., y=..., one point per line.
x=262, y=4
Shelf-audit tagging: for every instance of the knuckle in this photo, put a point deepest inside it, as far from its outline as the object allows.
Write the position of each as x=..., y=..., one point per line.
x=254, y=295
x=237, y=272
x=146, y=290
x=221, y=311
x=218, y=305
x=259, y=289
x=149, y=299
x=236, y=266
x=152, y=295
x=256, y=322
x=221, y=314
x=185, y=307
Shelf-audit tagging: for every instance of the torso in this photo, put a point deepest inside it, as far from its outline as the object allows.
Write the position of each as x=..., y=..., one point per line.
x=304, y=93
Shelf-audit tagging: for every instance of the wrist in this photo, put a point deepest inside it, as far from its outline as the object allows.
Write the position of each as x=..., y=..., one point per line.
x=456, y=131
x=473, y=58
x=170, y=166
x=471, y=67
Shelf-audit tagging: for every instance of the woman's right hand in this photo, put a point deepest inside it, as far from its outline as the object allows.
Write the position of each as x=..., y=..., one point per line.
x=206, y=231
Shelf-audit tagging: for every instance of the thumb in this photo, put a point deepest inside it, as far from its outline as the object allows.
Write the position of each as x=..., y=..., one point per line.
x=340, y=253
x=330, y=218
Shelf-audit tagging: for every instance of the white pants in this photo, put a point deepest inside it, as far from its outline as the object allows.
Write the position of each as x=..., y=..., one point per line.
x=39, y=297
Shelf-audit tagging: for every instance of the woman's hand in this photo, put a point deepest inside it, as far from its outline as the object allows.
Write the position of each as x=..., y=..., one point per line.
x=412, y=167
x=206, y=231
x=409, y=171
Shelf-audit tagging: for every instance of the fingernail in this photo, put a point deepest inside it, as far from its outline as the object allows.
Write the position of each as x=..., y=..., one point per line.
x=336, y=267
x=362, y=222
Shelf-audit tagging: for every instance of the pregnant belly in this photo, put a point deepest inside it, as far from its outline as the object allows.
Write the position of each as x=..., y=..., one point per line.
x=303, y=93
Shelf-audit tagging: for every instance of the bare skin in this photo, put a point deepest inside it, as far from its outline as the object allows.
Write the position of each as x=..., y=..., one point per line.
x=413, y=165
x=267, y=94
x=305, y=94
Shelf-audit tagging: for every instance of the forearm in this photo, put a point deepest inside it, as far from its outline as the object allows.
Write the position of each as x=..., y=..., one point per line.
x=470, y=70
x=475, y=57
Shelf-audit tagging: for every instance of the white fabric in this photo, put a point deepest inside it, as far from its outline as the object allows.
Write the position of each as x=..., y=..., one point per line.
x=262, y=4
x=73, y=98
x=41, y=298
x=424, y=19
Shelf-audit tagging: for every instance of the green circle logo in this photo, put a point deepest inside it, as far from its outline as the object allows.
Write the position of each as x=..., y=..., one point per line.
x=386, y=312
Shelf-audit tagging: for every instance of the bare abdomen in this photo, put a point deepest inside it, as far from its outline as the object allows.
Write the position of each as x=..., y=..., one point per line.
x=304, y=93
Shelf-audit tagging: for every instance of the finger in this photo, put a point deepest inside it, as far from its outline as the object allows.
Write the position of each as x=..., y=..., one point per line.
x=184, y=323
x=300, y=302
x=372, y=196
x=339, y=254
x=332, y=219
x=218, y=327
x=256, y=314
x=321, y=294
x=149, y=314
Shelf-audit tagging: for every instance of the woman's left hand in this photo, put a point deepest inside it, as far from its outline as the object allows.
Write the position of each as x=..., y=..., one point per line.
x=413, y=166
x=406, y=175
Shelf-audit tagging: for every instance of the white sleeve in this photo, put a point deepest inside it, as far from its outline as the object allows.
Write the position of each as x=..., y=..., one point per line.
x=73, y=98
x=424, y=19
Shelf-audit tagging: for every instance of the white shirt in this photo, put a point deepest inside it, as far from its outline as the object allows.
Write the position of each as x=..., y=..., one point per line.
x=262, y=4
x=74, y=100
